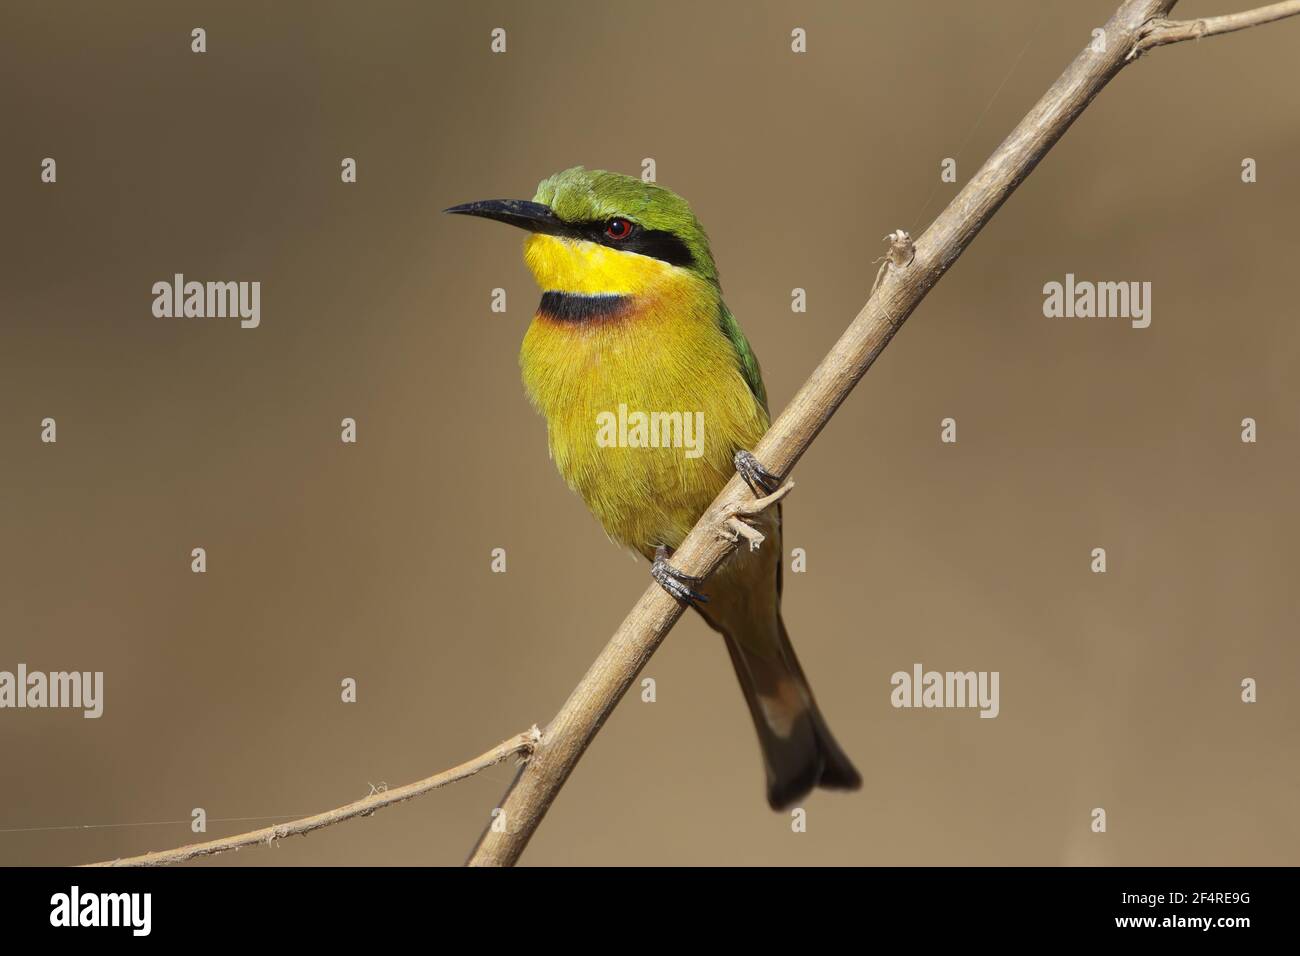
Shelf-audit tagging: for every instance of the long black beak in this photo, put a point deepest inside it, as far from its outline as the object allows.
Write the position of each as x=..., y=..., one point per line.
x=532, y=216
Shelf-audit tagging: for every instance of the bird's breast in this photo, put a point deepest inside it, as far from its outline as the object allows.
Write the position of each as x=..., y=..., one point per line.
x=644, y=402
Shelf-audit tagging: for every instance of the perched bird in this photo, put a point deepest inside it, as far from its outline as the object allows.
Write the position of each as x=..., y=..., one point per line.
x=632, y=320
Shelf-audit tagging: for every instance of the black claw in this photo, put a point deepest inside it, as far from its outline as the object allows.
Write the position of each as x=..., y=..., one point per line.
x=675, y=582
x=761, y=481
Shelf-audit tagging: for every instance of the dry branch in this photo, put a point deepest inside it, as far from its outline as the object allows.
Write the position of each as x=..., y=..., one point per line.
x=908, y=274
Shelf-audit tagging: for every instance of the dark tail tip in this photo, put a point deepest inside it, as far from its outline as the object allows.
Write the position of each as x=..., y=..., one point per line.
x=838, y=772
x=785, y=791
x=825, y=765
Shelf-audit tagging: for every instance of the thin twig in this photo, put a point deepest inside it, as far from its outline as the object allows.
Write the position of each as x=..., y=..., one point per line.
x=522, y=744
x=1161, y=32
x=912, y=271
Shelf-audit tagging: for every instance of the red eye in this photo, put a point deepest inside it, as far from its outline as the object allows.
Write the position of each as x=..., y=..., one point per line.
x=618, y=229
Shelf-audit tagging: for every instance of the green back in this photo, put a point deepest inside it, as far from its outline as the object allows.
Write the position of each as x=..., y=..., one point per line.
x=744, y=354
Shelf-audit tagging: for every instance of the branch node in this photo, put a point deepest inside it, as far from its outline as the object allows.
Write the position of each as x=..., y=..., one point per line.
x=530, y=740
x=1148, y=36
x=759, y=505
x=901, y=249
x=734, y=529
x=899, y=256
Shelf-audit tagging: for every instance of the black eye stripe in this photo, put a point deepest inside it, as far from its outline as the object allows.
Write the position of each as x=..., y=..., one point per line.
x=656, y=243
x=660, y=245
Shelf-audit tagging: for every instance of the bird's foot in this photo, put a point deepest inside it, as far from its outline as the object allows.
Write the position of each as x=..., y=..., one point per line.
x=761, y=481
x=675, y=582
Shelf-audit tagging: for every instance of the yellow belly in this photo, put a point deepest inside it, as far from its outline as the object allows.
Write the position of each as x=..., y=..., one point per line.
x=664, y=357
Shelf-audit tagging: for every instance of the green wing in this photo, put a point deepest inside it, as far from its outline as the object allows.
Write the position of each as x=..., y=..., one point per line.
x=744, y=354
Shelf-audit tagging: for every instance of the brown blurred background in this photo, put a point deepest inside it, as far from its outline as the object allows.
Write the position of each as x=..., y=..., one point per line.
x=372, y=561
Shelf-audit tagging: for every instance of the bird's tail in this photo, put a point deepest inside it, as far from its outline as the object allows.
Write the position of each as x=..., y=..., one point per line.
x=799, y=752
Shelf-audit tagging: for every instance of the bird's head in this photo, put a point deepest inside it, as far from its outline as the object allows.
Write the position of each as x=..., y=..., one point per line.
x=601, y=233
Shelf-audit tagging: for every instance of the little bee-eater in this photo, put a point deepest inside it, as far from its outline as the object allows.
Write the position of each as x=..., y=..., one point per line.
x=632, y=318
